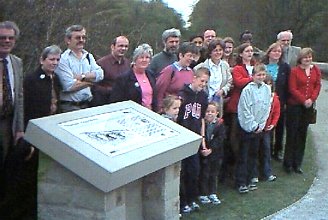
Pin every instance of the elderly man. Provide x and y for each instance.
(11, 102)
(290, 53)
(114, 65)
(77, 71)
(11, 95)
(171, 40)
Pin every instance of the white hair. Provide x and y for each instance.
(285, 33)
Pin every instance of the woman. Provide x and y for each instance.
(279, 72)
(228, 51)
(304, 87)
(138, 84)
(241, 75)
(220, 80)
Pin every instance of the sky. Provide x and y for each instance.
(184, 7)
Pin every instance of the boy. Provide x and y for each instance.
(211, 157)
(191, 115)
(253, 111)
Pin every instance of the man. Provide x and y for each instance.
(171, 40)
(290, 53)
(247, 37)
(113, 64)
(208, 36)
(11, 94)
(77, 71)
(173, 77)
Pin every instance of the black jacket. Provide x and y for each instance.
(126, 87)
(192, 109)
(37, 94)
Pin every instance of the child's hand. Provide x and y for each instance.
(205, 152)
(269, 128)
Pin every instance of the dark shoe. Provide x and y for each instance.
(278, 157)
(298, 170)
(288, 169)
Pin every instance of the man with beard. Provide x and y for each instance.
(171, 40)
(77, 71)
(113, 64)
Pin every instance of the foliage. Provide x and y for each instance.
(43, 22)
(265, 19)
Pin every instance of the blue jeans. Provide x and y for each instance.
(266, 153)
(247, 157)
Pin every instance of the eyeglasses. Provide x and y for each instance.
(3, 37)
(80, 37)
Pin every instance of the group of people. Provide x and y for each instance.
(238, 99)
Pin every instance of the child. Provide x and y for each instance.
(253, 112)
(266, 135)
(191, 116)
(171, 105)
(211, 157)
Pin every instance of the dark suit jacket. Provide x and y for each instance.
(37, 94)
(18, 120)
(126, 88)
(282, 82)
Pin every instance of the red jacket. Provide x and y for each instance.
(302, 87)
(274, 111)
(240, 78)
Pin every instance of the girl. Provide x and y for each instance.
(171, 105)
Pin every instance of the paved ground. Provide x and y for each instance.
(314, 205)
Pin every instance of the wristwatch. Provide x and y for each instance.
(83, 76)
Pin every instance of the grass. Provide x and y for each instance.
(269, 198)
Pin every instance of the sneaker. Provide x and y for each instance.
(255, 180)
(272, 178)
(204, 200)
(186, 209)
(252, 186)
(243, 189)
(214, 199)
(194, 206)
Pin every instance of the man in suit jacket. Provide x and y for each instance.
(290, 53)
(11, 122)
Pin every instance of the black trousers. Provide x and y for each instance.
(296, 127)
(189, 180)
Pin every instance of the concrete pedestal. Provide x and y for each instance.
(64, 195)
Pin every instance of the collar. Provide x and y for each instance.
(211, 63)
(84, 52)
(179, 68)
(114, 60)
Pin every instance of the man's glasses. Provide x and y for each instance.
(80, 37)
(11, 38)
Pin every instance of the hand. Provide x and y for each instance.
(205, 152)
(29, 156)
(18, 135)
(308, 103)
(220, 92)
(269, 128)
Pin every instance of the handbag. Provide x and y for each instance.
(312, 114)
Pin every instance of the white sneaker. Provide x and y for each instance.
(214, 199)
(272, 178)
(186, 209)
(204, 200)
(194, 206)
(255, 180)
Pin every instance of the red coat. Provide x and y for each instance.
(302, 87)
(240, 78)
(274, 111)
